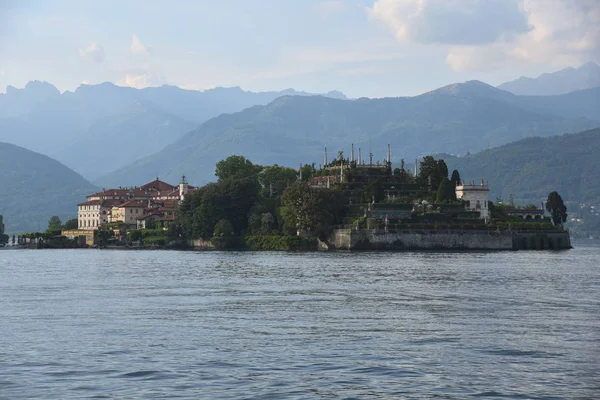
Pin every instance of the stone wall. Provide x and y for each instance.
(346, 239)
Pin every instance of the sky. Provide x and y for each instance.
(364, 48)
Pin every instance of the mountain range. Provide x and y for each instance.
(99, 128)
(36, 187)
(564, 81)
(459, 118)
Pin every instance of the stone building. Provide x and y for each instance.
(128, 204)
(475, 197)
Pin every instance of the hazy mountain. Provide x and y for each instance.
(456, 119)
(98, 128)
(36, 187)
(108, 143)
(567, 80)
(20, 101)
(531, 168)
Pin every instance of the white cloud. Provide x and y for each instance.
(484, 35)
(564, 33)
(138, 48)
(142, 80)
(450, 21)
(93, 52)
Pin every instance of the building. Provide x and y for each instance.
(475, 197)
(126, 205)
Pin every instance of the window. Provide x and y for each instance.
(468, 203)
(478, 205)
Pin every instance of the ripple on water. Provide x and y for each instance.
(107, 324)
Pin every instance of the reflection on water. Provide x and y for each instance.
(120, 324)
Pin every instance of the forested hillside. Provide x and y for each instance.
(35, 187)
(531, 168)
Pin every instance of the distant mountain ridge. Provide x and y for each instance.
(99, 128)
(561, 82)
(290, 130)
(36, 187)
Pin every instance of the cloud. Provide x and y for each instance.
(93, 52)
(450, 21)
(142, 80)
(564, 33)
(138, 48)
(484, 35)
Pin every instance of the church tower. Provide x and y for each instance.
(183, 188)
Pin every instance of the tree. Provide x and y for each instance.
(54, 224)
(274, 179)
(454, 182)
(433, 169)
(3, 237)
(443, 192)
(307, 210)
(223, 228)
(236, 167)
(71, 224)
(556, 207)
(230, 199)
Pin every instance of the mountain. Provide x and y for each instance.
(531, 168)
(36, 187)
(458, 118)
(567, 80)
(99, 128)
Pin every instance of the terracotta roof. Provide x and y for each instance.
(133, 204)
(121, 192)
(158, 185)
(90, 203)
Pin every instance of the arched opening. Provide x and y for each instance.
(528, 218)
(538, 217)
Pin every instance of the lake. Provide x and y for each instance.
(230, 325)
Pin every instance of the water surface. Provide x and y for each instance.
(129, 324)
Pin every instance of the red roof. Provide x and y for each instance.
(158, 185)
(133, 204)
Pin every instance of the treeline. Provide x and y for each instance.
(254, 200)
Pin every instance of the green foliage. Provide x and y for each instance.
(284, 243)
(230, 199)
(444, 192)
(71, 224)
(236, 167)
(54, 224)
(223, 228)
(306, 209)
(433, 171)
(155, 240)
(102, 236)
(308, 171)
(556, 207)
(274, 179)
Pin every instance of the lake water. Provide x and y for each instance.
(218, 325)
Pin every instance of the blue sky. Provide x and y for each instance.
(370, 48)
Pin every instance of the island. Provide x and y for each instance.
(346, 203)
